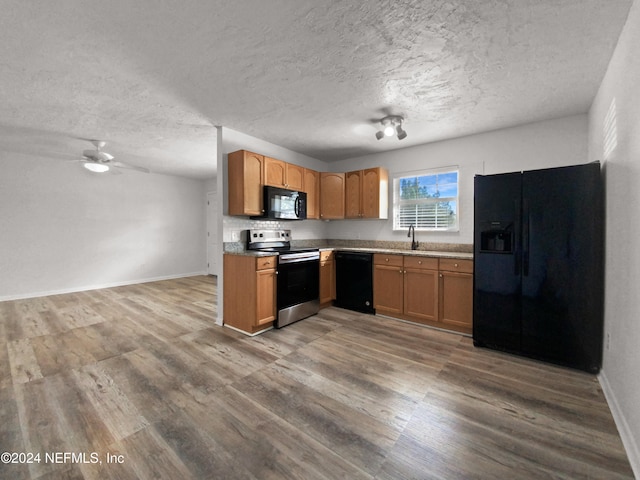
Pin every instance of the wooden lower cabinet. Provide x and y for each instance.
(249, 292)
(388, 284)
(327, 279)
(456, 293)
(421, 288)
(436, 292)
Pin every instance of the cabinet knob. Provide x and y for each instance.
(440, 275)
(455, 264)
(419, 262)
(386, 259)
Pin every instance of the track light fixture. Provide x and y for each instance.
(391, 124)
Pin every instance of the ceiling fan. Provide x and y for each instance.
(100, 162)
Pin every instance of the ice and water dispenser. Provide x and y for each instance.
(497, 237)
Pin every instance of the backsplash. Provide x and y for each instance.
(395, 245)
(424, 246)
(235, 228)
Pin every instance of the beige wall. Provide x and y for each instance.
(614, 136)
(550, 143)
(65, 229)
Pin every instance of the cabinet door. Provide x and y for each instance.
(294, 179)
(275, 172)
(374, 192)
(456, 299)
(312, 187)
(331, 195)
(421, 293)
(266, 296)
(353, 194)
(327, 281)
(245, 183)
(388, 288)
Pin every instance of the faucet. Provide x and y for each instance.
(412, 234)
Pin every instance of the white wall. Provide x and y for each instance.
(620, 87)
(65, 229)
(544, 144)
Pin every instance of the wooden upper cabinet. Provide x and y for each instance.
(332, 187)
(357, 194)
(295, 177)
(353, 194)
(375, 193)
(245, 183)
(312, 188)
(367, 193)
(283, 175)
(275, 172)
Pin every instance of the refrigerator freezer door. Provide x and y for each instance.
(562, 248)
(497, 262)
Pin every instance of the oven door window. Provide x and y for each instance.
(297, 283)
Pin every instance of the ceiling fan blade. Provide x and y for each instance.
(129, 167)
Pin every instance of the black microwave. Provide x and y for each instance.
(283, 204)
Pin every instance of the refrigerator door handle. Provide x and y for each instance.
(525, 237)
(516, 240)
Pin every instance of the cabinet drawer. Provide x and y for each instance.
(326, 255)
(383, 259)
(456, 265)
(263, 263)
(421, 262)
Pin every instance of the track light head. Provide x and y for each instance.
(391, 124)
(401, 133)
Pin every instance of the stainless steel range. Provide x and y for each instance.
(298, 274)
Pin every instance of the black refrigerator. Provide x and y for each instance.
(538, 264)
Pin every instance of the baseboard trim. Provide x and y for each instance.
(629, 442)
(99, 286)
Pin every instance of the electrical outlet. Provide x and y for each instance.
(608, 341)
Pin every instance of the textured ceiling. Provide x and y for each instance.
(153, 77)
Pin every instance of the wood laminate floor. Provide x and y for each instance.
(140, 376)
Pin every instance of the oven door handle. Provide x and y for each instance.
(298, 260)
(293, 259)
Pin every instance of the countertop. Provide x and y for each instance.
(415, 253)
(388, 251)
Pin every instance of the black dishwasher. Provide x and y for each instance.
(354, 281)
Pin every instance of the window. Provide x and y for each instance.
(428, 200)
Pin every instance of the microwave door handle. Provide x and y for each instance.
(296, 207)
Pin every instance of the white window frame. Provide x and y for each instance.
(397, 202)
